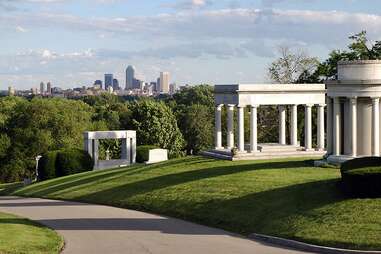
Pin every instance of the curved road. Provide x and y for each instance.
(96, 229)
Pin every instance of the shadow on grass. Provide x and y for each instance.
(128, 190)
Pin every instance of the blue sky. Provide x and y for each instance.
(74, 42)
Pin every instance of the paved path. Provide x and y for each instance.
(102, 229)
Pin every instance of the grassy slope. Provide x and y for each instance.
(281, 198)
(18, 235)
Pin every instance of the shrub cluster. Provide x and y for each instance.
(142, 153)
(362, 177)
(64, 162)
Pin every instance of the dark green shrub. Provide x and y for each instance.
(47, 166)
(362, 177)
(361, 163)
(142, 153)
(73, 161)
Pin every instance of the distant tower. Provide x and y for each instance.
(49, 88)
(172, 88)
(157, 88)
(11, 91)
(115, 84)
(130, 77)
(108, 80)
(164, 82)
(42, 88)
(98, 84)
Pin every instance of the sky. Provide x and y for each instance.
(72, 43)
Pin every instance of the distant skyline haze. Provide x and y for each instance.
(74, 43)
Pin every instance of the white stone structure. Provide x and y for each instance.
(128, 153)
(353, 111)
(157, 155)
(285, 96)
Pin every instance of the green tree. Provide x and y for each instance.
(198, 128)
(155, 124)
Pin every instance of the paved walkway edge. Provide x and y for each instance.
(305, 246)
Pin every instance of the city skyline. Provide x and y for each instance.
(196, 40)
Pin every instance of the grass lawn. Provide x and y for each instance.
(18, 235)
(286, 198)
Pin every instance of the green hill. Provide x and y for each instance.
(286, 198)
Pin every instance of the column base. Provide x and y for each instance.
(320, 149)
(220, 148)
(309, 150)
(254, 151)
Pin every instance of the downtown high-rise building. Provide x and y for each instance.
(49, 88)
(164, 82)
(130, 77)
(109, 78)
(42, 88)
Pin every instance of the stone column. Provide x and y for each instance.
(353, 115)
(218, 129)
(320, 128)
(294, 125)
(124, 149)
(308, 127)
(96, 153)
(230, 130)
(282, 125)
(253, 129)
(241, 128)
(376, 126)
(329, 126)
(336, 126)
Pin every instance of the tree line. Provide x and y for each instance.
(183, 123)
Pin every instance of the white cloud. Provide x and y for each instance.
(21, 29)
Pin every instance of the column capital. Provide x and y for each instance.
(241, 106)
(375, 99)
(353, 100)
(254, 105)
(309, 105)
(219, 106)
(322, 105)
(230, 106)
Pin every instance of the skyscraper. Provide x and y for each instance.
(42, 88)
(115, 84)
(130, 77)
(98, 84)
(164, 82)
(108, 80)
(49, 88)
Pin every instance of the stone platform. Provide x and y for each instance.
(265, 151)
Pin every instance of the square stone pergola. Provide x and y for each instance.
(128, 153)
(240, 96)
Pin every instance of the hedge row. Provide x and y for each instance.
(142, 153)
(362, 177)
(64, 162)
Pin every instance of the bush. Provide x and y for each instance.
(73, 161)
(362, 177)
(142, 153)
(47, 166)
(361, 163)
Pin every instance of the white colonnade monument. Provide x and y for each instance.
(353, 111)
(253, 96)
(353, 115)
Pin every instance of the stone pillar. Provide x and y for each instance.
(336, 126)
(294, 125)
(96, 153)
(124, 149)
(230, 130)
(241, 128)
(88, 146)
(320, 128)
(282, 125)
(253, 129)
(376, 126)
(329, 126)
(353, 115)
(308, 127)
(218, 129)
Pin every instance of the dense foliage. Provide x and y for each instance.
(142, 153)
(362, 177)
(64, 162)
